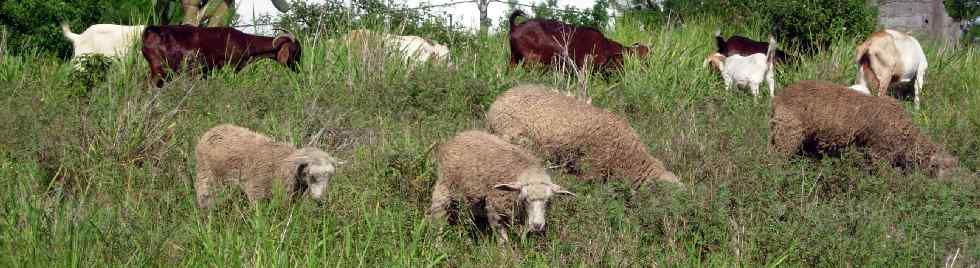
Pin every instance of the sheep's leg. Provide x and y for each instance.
(785, 132)
(494, 221)
(440, 202)
(202, 185)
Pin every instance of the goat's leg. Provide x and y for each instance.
(771, 82)
(920, 80)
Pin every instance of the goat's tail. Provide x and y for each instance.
(513, 16)
(861, 51)
(720, 41)
(66, 30)
(771, 51)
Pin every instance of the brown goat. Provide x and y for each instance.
(743, 46)
(543, 41)
(211, 48)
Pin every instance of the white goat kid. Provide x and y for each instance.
(750, 71)
(110, 40)
(891, 55)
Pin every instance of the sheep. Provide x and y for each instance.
(891, 55)
(821, 118)
(749, 71)
(571, 131)
(252, 161)
(110, 40)
(484, 172)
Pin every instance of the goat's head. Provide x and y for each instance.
(288, 50)
(638, 50)
(716, 61)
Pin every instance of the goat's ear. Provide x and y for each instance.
(283, 55)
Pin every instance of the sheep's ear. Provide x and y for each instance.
(510, 187)
(560, 191)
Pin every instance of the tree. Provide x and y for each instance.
(34, 24)
(215, 13)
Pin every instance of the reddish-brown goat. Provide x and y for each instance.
(743, 46)
(543, 41)
(211, 48)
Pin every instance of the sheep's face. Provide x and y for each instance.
(943, 164)
(534, 197)
(314, 169)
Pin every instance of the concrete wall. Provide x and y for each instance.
(921, 17)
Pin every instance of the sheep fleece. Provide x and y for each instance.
(227, 153)
(471, 163)
(562, 126)
(824, 118)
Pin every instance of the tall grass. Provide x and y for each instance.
(103, 176)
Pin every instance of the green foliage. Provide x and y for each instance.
(596, 17)
(808, 24)
(332, 18)
(91, 71)
(963, 9)
(35, 24)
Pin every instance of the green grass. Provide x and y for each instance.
(103, 176)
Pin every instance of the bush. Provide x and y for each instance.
(808, 24)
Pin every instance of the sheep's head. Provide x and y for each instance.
(313, 167)
(534, 195)
(942, 164)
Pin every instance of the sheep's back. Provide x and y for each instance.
(834, 116)
(473, 161)
(231, 148)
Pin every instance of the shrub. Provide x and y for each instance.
(808, 24)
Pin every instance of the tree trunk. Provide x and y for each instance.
(191, 8)
(484, 19)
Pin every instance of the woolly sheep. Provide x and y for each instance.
(816, 117)
(477, 168)
(252, 161)
(569, 130)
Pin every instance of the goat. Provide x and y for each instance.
(542, 41)
(413, 49)
(110, 40)
(887, 56)
(748, 71)
(744, 46)
(212, 48)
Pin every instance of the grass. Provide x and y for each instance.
(104, 175)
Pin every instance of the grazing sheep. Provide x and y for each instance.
(483, 172)
(816, 117)
(889, 56)
(239, 156)
(571, 131)
(750, 71)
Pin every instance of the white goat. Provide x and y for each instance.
(747, 71)
(110, 40)
(420, 49)
(887, 56)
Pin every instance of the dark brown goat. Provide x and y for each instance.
(211, 48)
(543, 41)
(743, 46)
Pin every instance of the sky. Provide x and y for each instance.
(467, 14)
